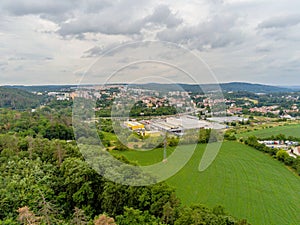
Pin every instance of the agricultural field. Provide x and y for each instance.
(250, 100)
(287, 130)
(246, 182)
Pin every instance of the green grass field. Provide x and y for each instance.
(246, 182)
(288, 130)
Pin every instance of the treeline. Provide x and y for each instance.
(45, 122)
(48, 182)
(279, 154)
(141, 109)
(281, 137)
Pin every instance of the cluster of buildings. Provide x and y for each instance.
(180, 102)
(154, 102)
(153, 99)
(183, 101)
(266, 109)
(291, 98)
(178, 93)
(284, 114)
(292, 147)
(234, 110)
(279, 144)
(295, 151)
(150, 98)
(208, 102)
(61, 96)
(294, 109)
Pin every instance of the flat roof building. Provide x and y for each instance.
(177, 125)
(227, 119)
(134, 125)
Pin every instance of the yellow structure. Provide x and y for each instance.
(153, 133)
(134, 125)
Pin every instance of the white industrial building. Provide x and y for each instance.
(177, 125)
(227, 119)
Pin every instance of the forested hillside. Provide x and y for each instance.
(17, 99)
(225, 87)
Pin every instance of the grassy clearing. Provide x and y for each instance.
(110, 136)
(287, 130)
(250, 100)
(145, 157)
(248, 183)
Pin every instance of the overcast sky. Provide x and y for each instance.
(57, 41)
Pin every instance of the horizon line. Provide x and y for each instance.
(88, 84)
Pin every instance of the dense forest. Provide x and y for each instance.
(53, 121)
(48, 182)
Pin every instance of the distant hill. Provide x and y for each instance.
(41, 88)
(226, 87)
(248, 87)
(17, 99)
(295, 88)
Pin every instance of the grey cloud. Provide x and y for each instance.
(18, 58)
(218, 32)
(97, 51)
(26, 57)
(99, 23)
(19, 68)
(3, 65)
(163, 15)
(263, 49)
(36, 6)
(112, 23)
(76, 17)
(50, 8)
(93, 52)
(287, 35)
(53, 10)
(94, 6)
(280, 22)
